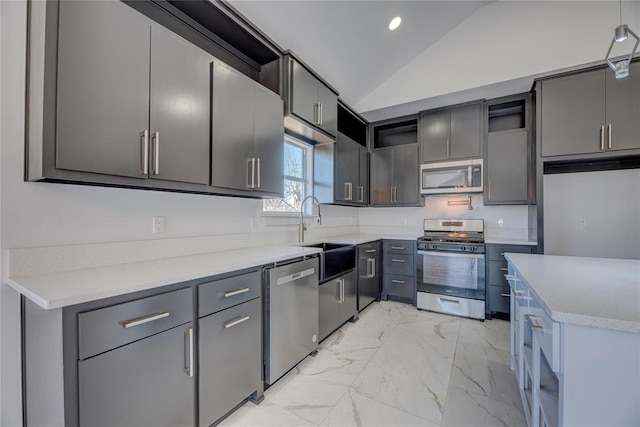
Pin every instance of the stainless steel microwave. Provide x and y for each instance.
(463, 176)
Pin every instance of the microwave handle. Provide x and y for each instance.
(470, 176)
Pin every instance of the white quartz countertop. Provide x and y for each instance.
(595, 292)
(358, 239)
(509, 241)
(61, 289)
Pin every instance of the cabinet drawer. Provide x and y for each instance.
(107, 328)
(406, 247)
(399, 264)
(369, 250)
(495, 252)
(401, 286)
(495, 273)
(230, 359)
(225, 293)
(499, 298)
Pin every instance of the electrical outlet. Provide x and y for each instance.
(158, 224)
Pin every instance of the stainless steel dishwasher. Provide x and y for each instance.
(291, 315)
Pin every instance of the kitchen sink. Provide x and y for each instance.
(335, 258)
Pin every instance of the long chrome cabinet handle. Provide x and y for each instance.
(235, 292)
(602, 138)
(347, 190)
(400, 282)
(609, 136)
(236, 321)
(337, 296)
(257, 160)
(320, 114)
(156, 153)
(371, 265)
(533, 323)
(505, 295)
(251, 171)
(145, 319)
(398, 248)
(144, 152)
(360, 193)
(448, 148)
(504, 269)
(397, 260)
(190, 360)
(371, 251)
(511, 277)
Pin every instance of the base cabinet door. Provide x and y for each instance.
(230, 345)
(329, 308)
(145, 383)
(349, 297)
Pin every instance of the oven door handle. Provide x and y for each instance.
(451, 254)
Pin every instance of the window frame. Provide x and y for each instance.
(307, 181)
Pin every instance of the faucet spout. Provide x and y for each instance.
(302, 227)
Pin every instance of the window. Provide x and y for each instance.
(298, 178)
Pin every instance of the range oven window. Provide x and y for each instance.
(454, 270)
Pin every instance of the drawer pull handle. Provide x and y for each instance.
(145, 319)
(449, 300)
(235, 322)
(504, 269)
(398, 248)
(511, 277)
(400, 282)
(371, 251)
(397, 260)
(505, 295)
(236, 292)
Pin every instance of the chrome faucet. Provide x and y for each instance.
(302, 227)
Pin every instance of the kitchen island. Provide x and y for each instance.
(575, 339)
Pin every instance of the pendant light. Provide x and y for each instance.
(621, 33)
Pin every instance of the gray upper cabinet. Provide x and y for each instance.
(180, 109)
(508, 157)
(247, 134)
(310, 99)
(394, 176)
(351, 174)
(589, 112)
(454, 133)
(130, 96)
(103, 88)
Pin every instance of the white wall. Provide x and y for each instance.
(593, 214)
(507, 40)
(42, 214)
(499, 221)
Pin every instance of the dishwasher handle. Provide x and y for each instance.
(295, 276)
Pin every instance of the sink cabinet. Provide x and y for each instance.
(338, 299)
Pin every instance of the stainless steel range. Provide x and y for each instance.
(450, 267)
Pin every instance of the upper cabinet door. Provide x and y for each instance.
(406, 174)
(381, 176)
(572, 114)
(268, 128)
(435, 136)
(103, 88)
(180, 109)
(623, 109)
(328, 109)
(362, 195)
(304, 97)
(343, 166)
(232, 128)
(466, 132)
(506, 167)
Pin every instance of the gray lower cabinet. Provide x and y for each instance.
(150, 380)
(230, 350)
(589, 112)
(394, 176)
(117, 109)
(398, 270)
(338, 299)
(454, 133)
(369, 277)
(247, 135)
(498, 293)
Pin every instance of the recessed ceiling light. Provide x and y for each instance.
(395, 23)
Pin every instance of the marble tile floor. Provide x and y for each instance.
(398, 366)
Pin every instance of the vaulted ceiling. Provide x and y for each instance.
(442, 47)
